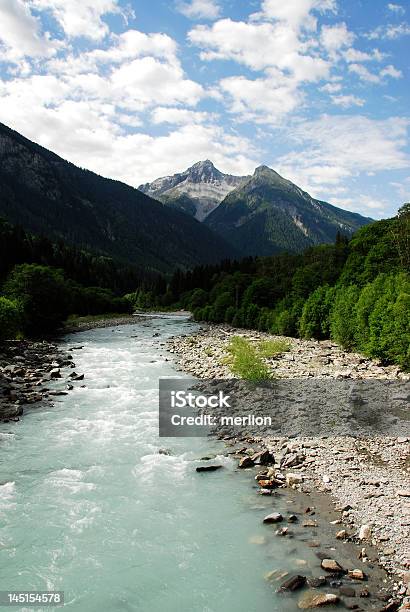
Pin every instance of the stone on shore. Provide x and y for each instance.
(246, 462)
(293, 479)
(313, 599)
(365, 532)
(264, 457)
(356, 574)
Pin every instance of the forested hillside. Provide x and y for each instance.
(50, 196)
(269, 215)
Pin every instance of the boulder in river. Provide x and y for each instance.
(293, 583)
(275, 517)
(208, 468)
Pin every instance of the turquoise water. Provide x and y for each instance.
(89, 507)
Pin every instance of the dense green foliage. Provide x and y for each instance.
(48, 280)
(44, 298)
(42, 293)
(356, 292)
(10, 318)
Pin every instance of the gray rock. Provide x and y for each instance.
(275, 517)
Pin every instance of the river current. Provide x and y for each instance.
(90, 507)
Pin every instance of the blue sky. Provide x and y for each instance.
(316, 89)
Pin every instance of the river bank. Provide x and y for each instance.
(33, 373)
(366, 478)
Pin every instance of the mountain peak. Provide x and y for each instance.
(266, 171)
(204, 171)
(197, 191)
(206, 163)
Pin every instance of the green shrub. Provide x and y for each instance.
(270, 348)
(229, 314)
(389, 321)
(343, 316)
(365, 306)
(245, 361)
(239, 318)
(222, 302)
(315, 319)
(10, 319)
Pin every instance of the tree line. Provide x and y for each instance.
(43, 281)
(356, 292)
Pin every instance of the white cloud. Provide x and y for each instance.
(347, 101)
(331, 87)
(242, 42)
(80, 17)
(334, 149)
(264, 100)
(391, 71)
(390, 31)
(366, 75)
(199, 9)
(335, 37)
(396, 8)
(147, 80)
(89, 136)
(20, 34)
(132, 43)
(179, 116)
(297, 13)
(354, 55)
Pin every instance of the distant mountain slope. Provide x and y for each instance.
(269, 214)
(197, 191)
(48, 195)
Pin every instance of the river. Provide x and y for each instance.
(88, 506)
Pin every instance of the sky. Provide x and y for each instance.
(134, 90)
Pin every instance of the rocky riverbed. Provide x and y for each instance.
(32, 374)
(367, 478)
